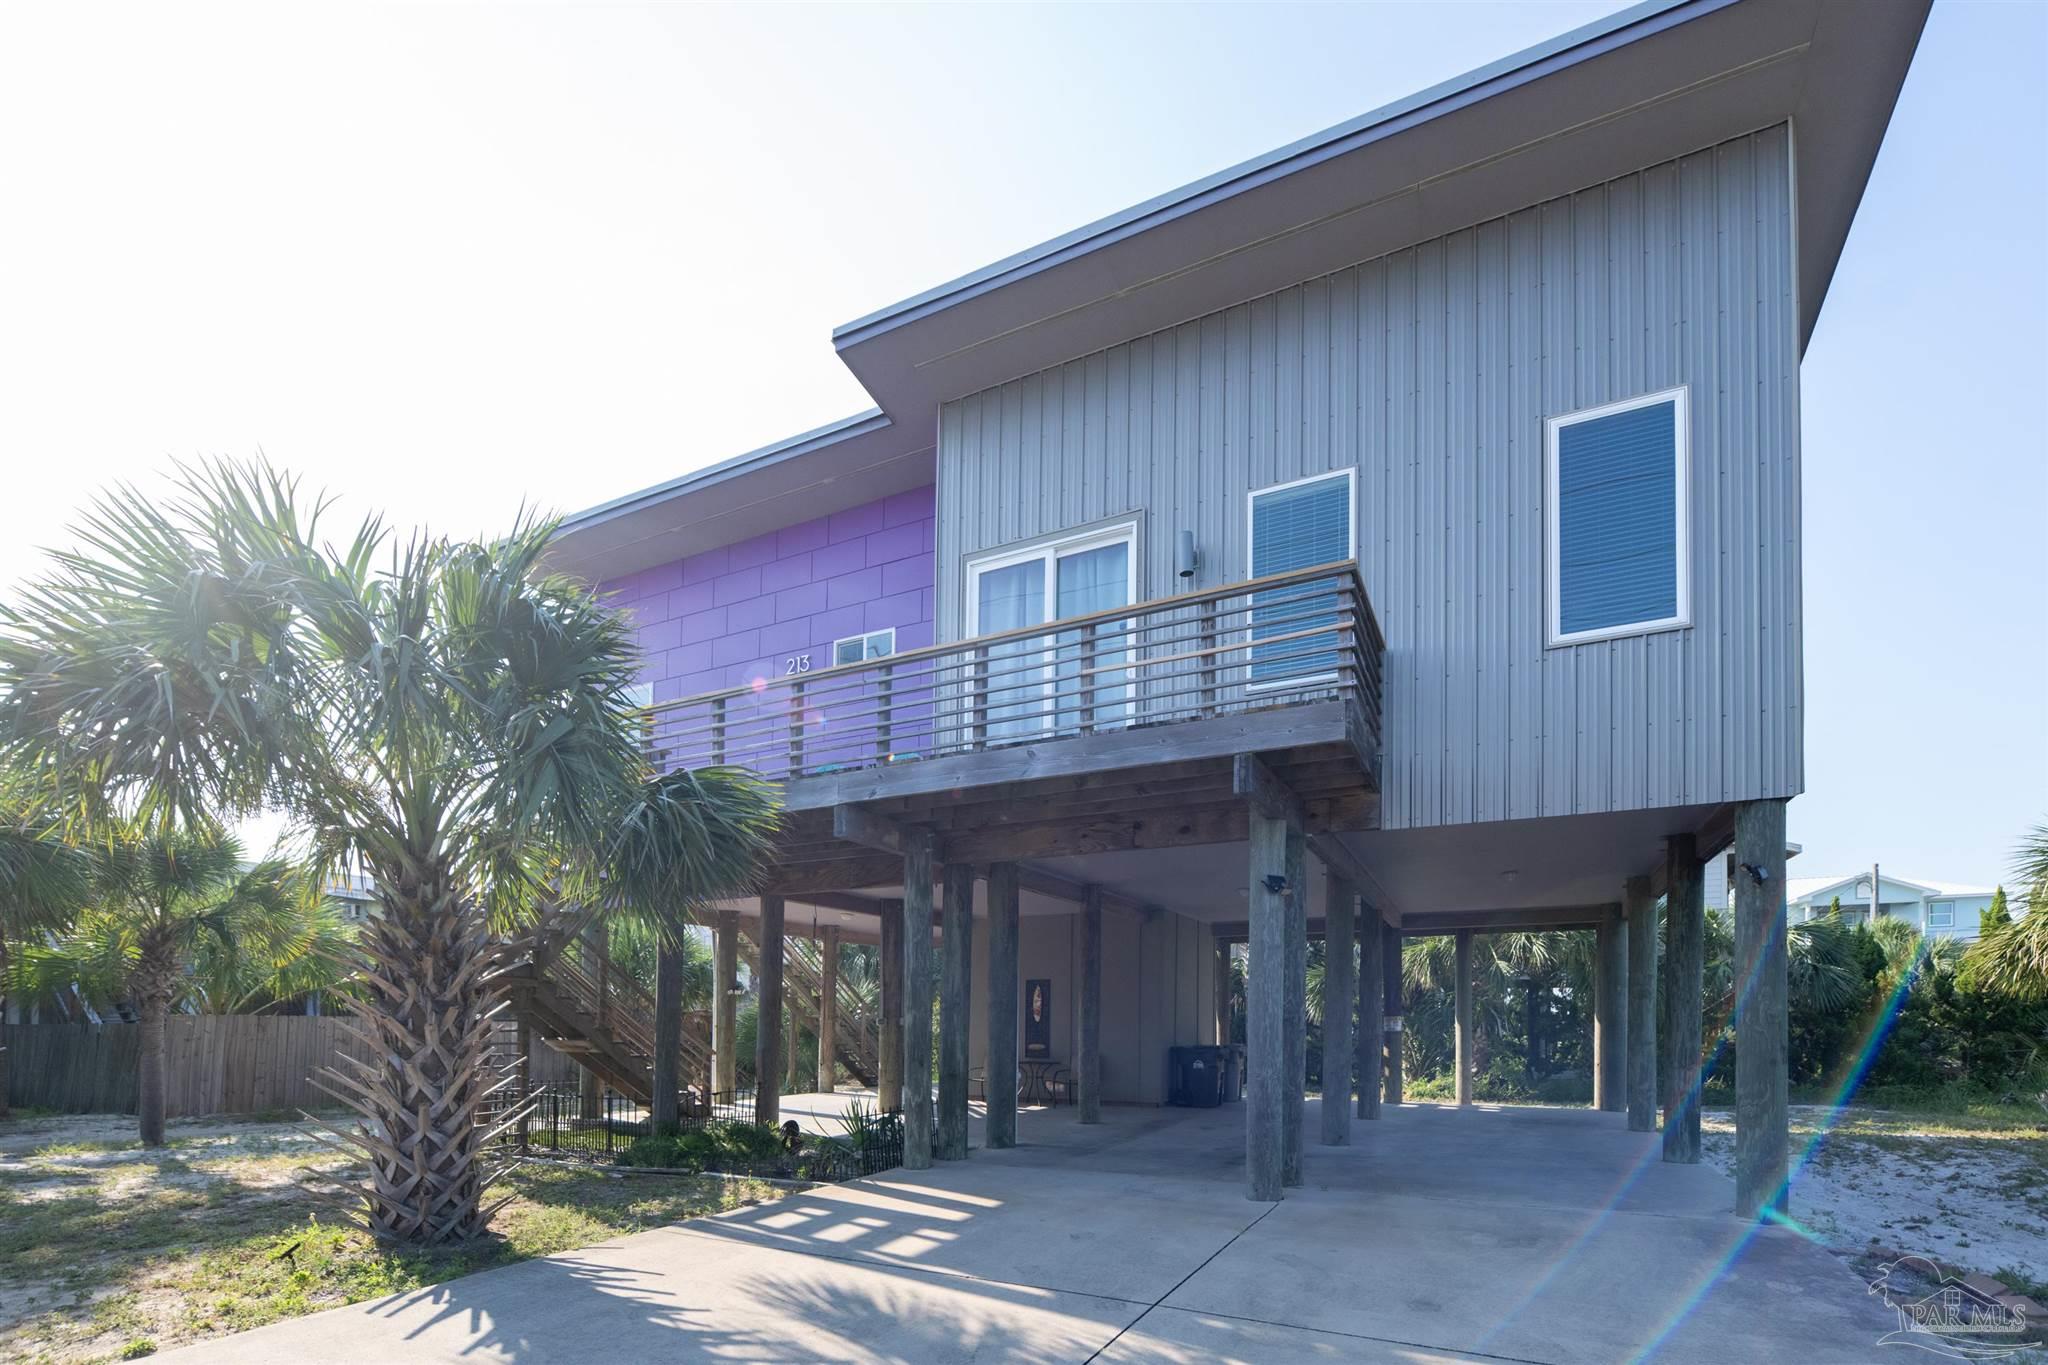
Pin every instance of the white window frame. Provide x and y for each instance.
(863, 636)
(1251, 502)
(1943, 907)
(1681, 432)
(1050, 549)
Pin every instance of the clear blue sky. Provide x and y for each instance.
(445, 259)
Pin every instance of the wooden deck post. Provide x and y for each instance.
(889, 1061)
(1372, 1025)
(1090, 1068)
(1339, 909)
(1222, 952)
(1462, 998)
(956, 999)
(590, 1091)
(1001, 1125)
(917, 1001)
(725, 971)
(1685, 934)
(1610, 1015)
(828, 1010)
(1390, 980)
(1641, 908)
(1296, 1023)
(768, 1023)
(1762, 1141)
(1265, 1123)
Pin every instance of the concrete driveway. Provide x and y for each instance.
(1439, 1235)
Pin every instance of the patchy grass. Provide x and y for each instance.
(110, 1252)
(1967, 1187)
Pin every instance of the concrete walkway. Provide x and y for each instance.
(1439, 1235)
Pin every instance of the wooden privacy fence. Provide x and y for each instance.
(214, 1064)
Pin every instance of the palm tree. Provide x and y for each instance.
(2013, 957)
(312, 951)
(686, 839)
(43, 879)
(448, 717)
(158, 902)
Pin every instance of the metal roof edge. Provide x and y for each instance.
(1588, 40)
(790, 447)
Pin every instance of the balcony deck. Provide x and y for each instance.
(1108, 731)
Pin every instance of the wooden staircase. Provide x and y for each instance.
(858, 1045)
(598, 1014)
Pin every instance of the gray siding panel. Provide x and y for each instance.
(1430, 371)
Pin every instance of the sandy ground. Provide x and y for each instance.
(1873, 1185)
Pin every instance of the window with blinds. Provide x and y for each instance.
(1615, 503)
(1297, 526)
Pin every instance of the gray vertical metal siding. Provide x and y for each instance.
(1431, 371)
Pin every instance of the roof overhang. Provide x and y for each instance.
(1645, 85)
(827, 470)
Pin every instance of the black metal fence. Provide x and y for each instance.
(726, 1137)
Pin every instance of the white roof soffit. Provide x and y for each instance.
(828, 470)
(1643, 86)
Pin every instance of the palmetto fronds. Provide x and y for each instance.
(2013, 957)
(448, 717)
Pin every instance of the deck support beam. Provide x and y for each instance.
(916, 1023)
(1265, 1136)
(828, 1010)
(1089, 1072)
(1762, 1142)
(1296, 900)
(1610, 1016)
(1222, 950)
(725, 992)
(1000, 1128)
(590, 1093)
(889, 1058)
(768, 1024)
(1339, 931)
(1371, 1039)
(1462, 994)
(1640, 909)
(1390, 982)
(1685, 934)
(956, 999)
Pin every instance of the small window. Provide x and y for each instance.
(854, 649)
(1941, 914)
(1616, 519)
(1297, 525)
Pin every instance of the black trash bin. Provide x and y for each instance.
(1201, 1077)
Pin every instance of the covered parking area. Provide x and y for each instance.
(1438, 1234)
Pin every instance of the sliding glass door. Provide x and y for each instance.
(1059, 681)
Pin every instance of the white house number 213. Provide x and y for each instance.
(795, 664)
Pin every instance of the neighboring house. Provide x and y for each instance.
(1937, 909)
(353, 893)
(1405, 523)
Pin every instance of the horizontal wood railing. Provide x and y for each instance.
(1280, 640)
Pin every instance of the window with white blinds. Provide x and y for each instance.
(1297, 526)
(1616, 519)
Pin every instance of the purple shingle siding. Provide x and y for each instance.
(738, 613)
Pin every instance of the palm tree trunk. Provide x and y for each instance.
(1532, 1031)
(5, 1112)
(668, 1038)
(155, 970)
(426, 1018)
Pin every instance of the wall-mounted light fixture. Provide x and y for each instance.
(1185, 560)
